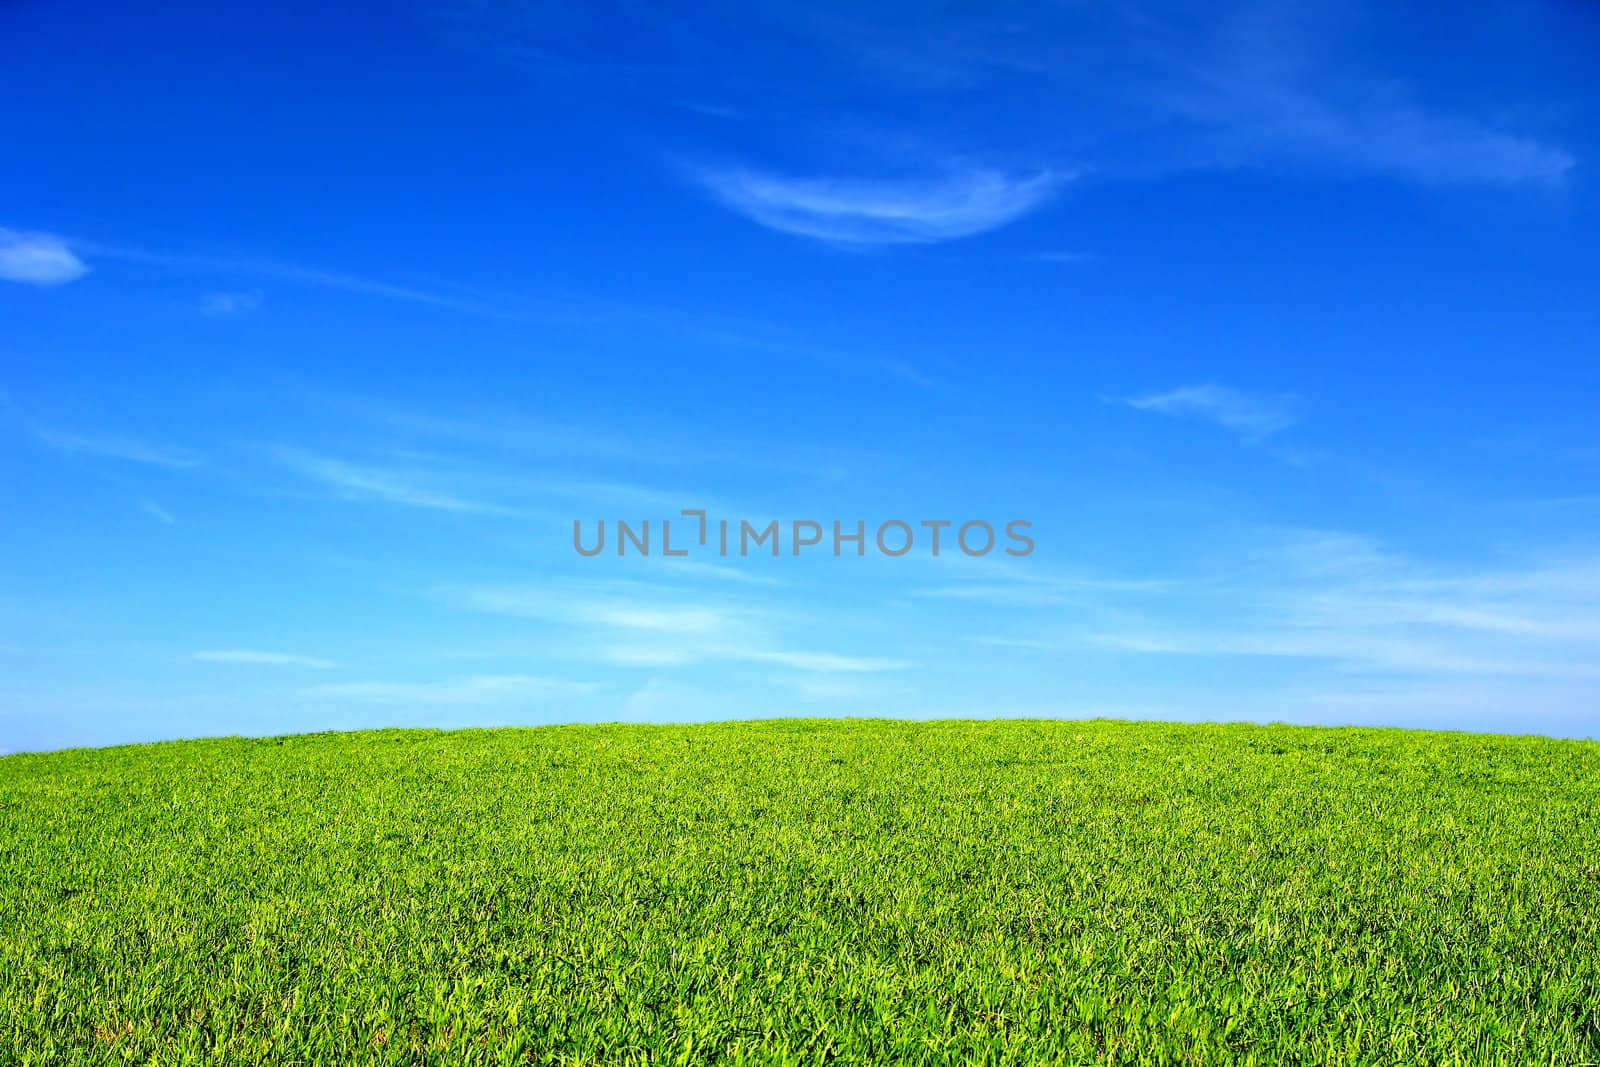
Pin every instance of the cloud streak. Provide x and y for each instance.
(636, 624)
(357, 481)
(252, 657)
(1411, 144)
(827, 662)
(38, 259)
(110, 446)
(1253, 416)
(222, 304)
(1275, 83)
(476, 690)
(1343, 603)
(46, 259)
(854, 211)
(1117, 89)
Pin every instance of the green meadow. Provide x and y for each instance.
(805, 891)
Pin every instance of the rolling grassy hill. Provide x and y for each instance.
(806, 892)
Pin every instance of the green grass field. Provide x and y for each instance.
(805, 892)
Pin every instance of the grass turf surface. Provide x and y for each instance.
(808, 892)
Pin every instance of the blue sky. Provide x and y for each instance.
(319, 327)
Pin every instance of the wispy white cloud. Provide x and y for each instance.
(826, 662)
(467, 481)
(1015, 584)
(230, 303)
(615, 606)
(233, 267)
(639, 624)
(856, 211)
(1256, 85)
(355, 284)
(908, 372)
(1010, 594)
(361, 481)
(518, 433)
(157, 512)
(1277, 83)
(836, 690)
(1370, 648)
(111, 446)
(1253, 416)
(1409, 143)
(627, 651)
(693, 569)
(1063, 257)
(529, 442)
(1117, 89)
(1345, 603)
(651, 654)
(38, 259)
(479, 689)
(658, 619)
(253, 657)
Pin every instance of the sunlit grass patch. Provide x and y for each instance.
(808, 892)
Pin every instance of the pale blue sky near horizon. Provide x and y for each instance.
(1278, 321)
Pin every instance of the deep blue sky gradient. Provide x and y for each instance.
(319, 326)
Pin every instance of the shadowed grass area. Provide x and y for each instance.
(806, 892)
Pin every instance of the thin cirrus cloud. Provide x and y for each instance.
(624, 606)
(383, 484)
(825, 662)
(1253, 416)
(678, 653)
(479, 689)
(1150, 88)
(1344, 603)
(229, 303)
(637, 624)
(863, 212)
(1408, 143)
(38, 259)
(254, 657)
(46, 259)
(349, 283)
(427, 485)
(1284, 83)
(111, 446)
